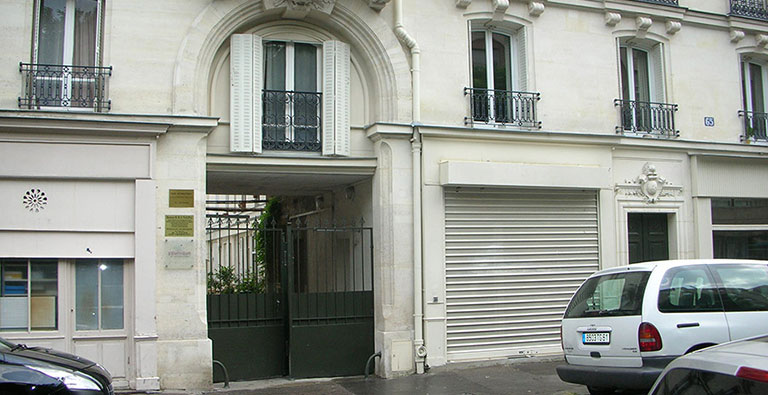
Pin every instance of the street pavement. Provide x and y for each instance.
(514, 376)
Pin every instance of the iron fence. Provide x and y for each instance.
(654, 119)
(49, 85)
(750, 8)
(494, 106)
(291, 120)
(755, 126)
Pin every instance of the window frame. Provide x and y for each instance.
(28, 329)
(99, 296)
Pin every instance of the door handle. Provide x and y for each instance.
(688, 325)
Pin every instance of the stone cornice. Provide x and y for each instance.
(77, 123)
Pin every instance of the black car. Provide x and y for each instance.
(37, 370)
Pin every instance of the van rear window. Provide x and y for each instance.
(616, 294)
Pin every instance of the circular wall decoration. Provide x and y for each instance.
(35, 200)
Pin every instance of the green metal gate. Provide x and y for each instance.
(291, 301)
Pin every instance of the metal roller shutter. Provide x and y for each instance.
(513, 258)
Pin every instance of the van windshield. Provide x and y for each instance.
(616, 294)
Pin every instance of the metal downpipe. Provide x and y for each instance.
(420, 351)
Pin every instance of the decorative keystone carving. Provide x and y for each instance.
(761, 40)
(535, 8)
(298, 9)
(651, 184)
(612, 18)
(463, 3)
(737, 35)
(673, 27)
(643, 23)
(377, 4)
(500, 6)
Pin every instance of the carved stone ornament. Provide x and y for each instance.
(463, 3)
(673, 27)
(651, 184)
(34, 200)
(737, 35)
(612, 18)
(377, 4)
(761, 40)
(298, 9)
(643, 23)
(535, 8)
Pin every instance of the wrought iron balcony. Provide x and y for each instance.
(750, 8)
(755, 126)
(49, 85)
(647, 118)
(291, 120)
(500, 107)
(662, 2)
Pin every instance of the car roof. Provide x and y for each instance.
(649, 266)
(727, 357)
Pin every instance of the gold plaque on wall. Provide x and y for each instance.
(179, 226)
(181, 198)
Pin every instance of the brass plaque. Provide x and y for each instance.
(179, 226)
(181, 198)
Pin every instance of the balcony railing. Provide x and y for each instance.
(750, 9)
(500, 107)
(49, 85)
(755, 126)
(663, 2)
(291, 120)
(647, 118)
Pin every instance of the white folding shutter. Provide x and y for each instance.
(342, 99)
(513, 259)
(336, 94)
(657, 74)
(522, 60)
(329, 98)
(245, 93)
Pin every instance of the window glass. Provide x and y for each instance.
(86, 294)
(274, 65)
(696, 382)
(746, 286)
(28, 294)
(85, 33)
(624, 74)
(618, 294)
(305, 66)
(688, 289)
(14, 303)
(756, 87)
(640, 70)
(502, 55)
(740, 244)
(111, 294)
(43, 294)
(51, 35)
(479, 68)
(740, 211)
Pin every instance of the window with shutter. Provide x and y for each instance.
(500, 77)
(296, 95)
(643, 106)
(65, 69)
(754, 75)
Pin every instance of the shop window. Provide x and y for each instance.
(99, 303)
(28, 294)
(740, 228)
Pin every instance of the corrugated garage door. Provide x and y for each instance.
(513, 258)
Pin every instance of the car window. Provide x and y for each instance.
(746, 286)
(617, 294)
(688, 289)
(697, 382)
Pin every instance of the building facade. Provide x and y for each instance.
(498, 151)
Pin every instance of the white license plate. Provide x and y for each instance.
(596, 337)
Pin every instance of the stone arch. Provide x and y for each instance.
(382, 57)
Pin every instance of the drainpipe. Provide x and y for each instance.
(420, 351)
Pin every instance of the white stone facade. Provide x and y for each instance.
(412, 142)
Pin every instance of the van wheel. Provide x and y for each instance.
(600, 391)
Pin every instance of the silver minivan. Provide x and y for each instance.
(625, 324)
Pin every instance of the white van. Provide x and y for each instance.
(624, 325)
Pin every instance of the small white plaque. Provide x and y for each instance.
(179, 253)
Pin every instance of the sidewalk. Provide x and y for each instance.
(515, 376)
